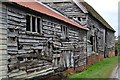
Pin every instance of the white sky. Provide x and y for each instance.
(108, 9)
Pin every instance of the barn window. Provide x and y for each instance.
(64, 30)
(79, 18)
(33, 24)
(92, 42)
(27, 23)
(38, 25)
(83, 19)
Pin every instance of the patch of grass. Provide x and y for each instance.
(101, 69)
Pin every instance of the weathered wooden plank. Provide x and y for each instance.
(3, 47)
(16, 11)
(12, 35)
(28, 41)
(17, 19)
(3, 73)
(3, 52)
(3, 57)
(75, 13)
(3, 67)
(16, 23)
(3, 31)
(12, 44)
(56, 55)
(17, 74)
(41, 73)
(15, 15)
(48, 32)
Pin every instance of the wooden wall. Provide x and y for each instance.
(97, 34)
(3, 42)
(27, 52)
(56, 47)
(110, 42)
(79, 14)
(71, 10)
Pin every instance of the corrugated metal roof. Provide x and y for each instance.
(39, 7)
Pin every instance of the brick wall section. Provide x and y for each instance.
(111, 53)
(94, 58)
(74, 70)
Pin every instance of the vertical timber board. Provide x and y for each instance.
(3, 43)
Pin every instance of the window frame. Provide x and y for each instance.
(36, 24)
(64, 30)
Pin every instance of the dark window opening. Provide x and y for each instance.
(83, 19)
(64, 31)
(58, 59)
(79, 18)
(93, 26)
(14, 38)
(38, 25)
(34, 57)
(20, 58)
(33, 24)
(20, 46)
(91, 40)
(61, 28)
(9, 60)
(11, 30)
(28, 58)
(27, 23)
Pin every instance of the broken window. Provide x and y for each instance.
(33, 24)
(64, 30)
(83, 19)
(79, 18)
(20, 58)
(92, 42)
(27, 23)
(38, 25)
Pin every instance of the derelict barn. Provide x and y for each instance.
(37, 40)
(100, 36)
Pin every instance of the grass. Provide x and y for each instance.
(101, 69)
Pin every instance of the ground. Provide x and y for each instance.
(116, 72)
(102, 69)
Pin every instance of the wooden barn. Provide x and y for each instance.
(39, 38)
(100, 37)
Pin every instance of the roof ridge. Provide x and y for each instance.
(97, 15)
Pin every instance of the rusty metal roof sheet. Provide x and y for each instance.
(39, 7)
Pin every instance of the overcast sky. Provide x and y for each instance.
(108, 9)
